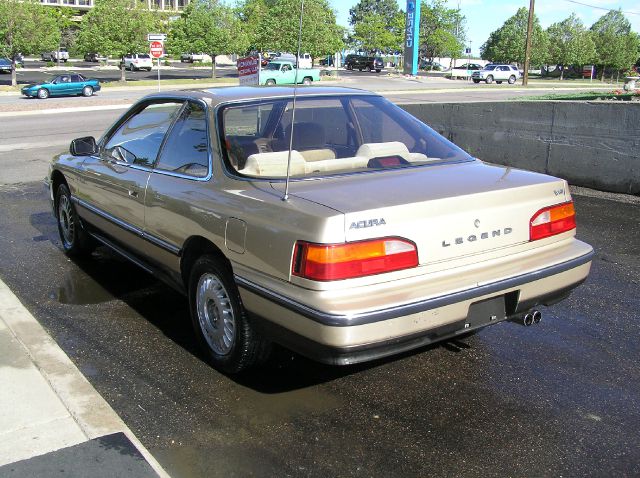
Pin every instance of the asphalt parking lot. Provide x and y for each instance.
(557, 399)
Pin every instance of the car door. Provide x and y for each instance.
(76, 85)
(113, 185)
(178, 193)
(60, 85)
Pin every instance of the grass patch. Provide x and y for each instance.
(584, 96)
(10, 89)
(183, 81)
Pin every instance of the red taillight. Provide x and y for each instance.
(325, 262)
(552, 220)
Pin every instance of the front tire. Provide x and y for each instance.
(43, 93)
(224, 331)
(75, 241)
(489, 80)
(476, 81)
(87, 91)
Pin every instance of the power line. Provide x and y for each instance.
(602, 8)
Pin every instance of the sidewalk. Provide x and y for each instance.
(52, 420)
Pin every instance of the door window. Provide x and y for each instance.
(138, 140)
(186, 150)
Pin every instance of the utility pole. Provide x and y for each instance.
(527, 52)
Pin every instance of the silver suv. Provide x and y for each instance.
(497, 73)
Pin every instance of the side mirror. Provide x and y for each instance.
(83, 146)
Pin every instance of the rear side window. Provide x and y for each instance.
(186, 150)
(138, 140)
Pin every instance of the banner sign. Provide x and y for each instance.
(412, 38)
(248, 70)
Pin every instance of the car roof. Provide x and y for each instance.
(238, 93)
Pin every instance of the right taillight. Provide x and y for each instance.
(552, 220)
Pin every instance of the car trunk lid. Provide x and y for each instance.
(448, 210)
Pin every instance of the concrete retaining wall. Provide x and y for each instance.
(596, 145)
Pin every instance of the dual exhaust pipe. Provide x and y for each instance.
(528, 319)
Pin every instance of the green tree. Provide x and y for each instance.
(441, 30)
(254, 15)
(615, 43)
(385, 9)
(507, 43)
(208, 26)
(26, 27)
(320, 32)
(117, 27)
(570, 43)
(373, 33)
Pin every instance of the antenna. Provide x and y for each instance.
(293, 112)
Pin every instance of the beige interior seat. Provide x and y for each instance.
(274, 164)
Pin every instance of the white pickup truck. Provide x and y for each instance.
(56, 55)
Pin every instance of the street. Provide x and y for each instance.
(557, 399)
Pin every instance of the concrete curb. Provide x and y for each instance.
(92, 414)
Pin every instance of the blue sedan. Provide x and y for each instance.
(63, 85)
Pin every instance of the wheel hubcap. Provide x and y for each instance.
(215, 314)
(65, 219)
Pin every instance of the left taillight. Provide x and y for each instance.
(552, 220)
(327, 262)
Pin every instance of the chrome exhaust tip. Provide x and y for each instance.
(537, 316)
(528, 319)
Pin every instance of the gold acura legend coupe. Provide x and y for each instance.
(331, 222)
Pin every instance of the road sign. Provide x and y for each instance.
(156, 48)
(156, 37)
(248, 70)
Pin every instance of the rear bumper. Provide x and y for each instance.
(348, 338)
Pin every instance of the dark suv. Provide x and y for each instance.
(363, 62)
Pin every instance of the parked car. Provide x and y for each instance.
(62, 54)
(63, 85)
(94, 57)
(6, 66)
(137, 61)
(18, 58)
(497, 73)
(195, 57)
(431, 65)
(363, 62)
(465, 70)
(326, 61)
(373, 235)
(280, 72)
(305, 59)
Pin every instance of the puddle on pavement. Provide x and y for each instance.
(79, 289)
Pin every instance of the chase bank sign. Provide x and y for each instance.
(412, 37)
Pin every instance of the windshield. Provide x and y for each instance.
(272, 66)
(490, 67)
(331, 136)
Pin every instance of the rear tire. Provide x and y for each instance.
(307, 81)
(499, 82)
(224, 330)
(476, 81)
(270, 82)
(87, 91)
(512, 79)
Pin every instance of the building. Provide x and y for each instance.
(83, 5)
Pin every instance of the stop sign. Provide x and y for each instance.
(156, 48)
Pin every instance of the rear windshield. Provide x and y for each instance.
(331, 136)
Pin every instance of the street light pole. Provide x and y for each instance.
(527, 52)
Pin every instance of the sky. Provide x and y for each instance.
(485, 16)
